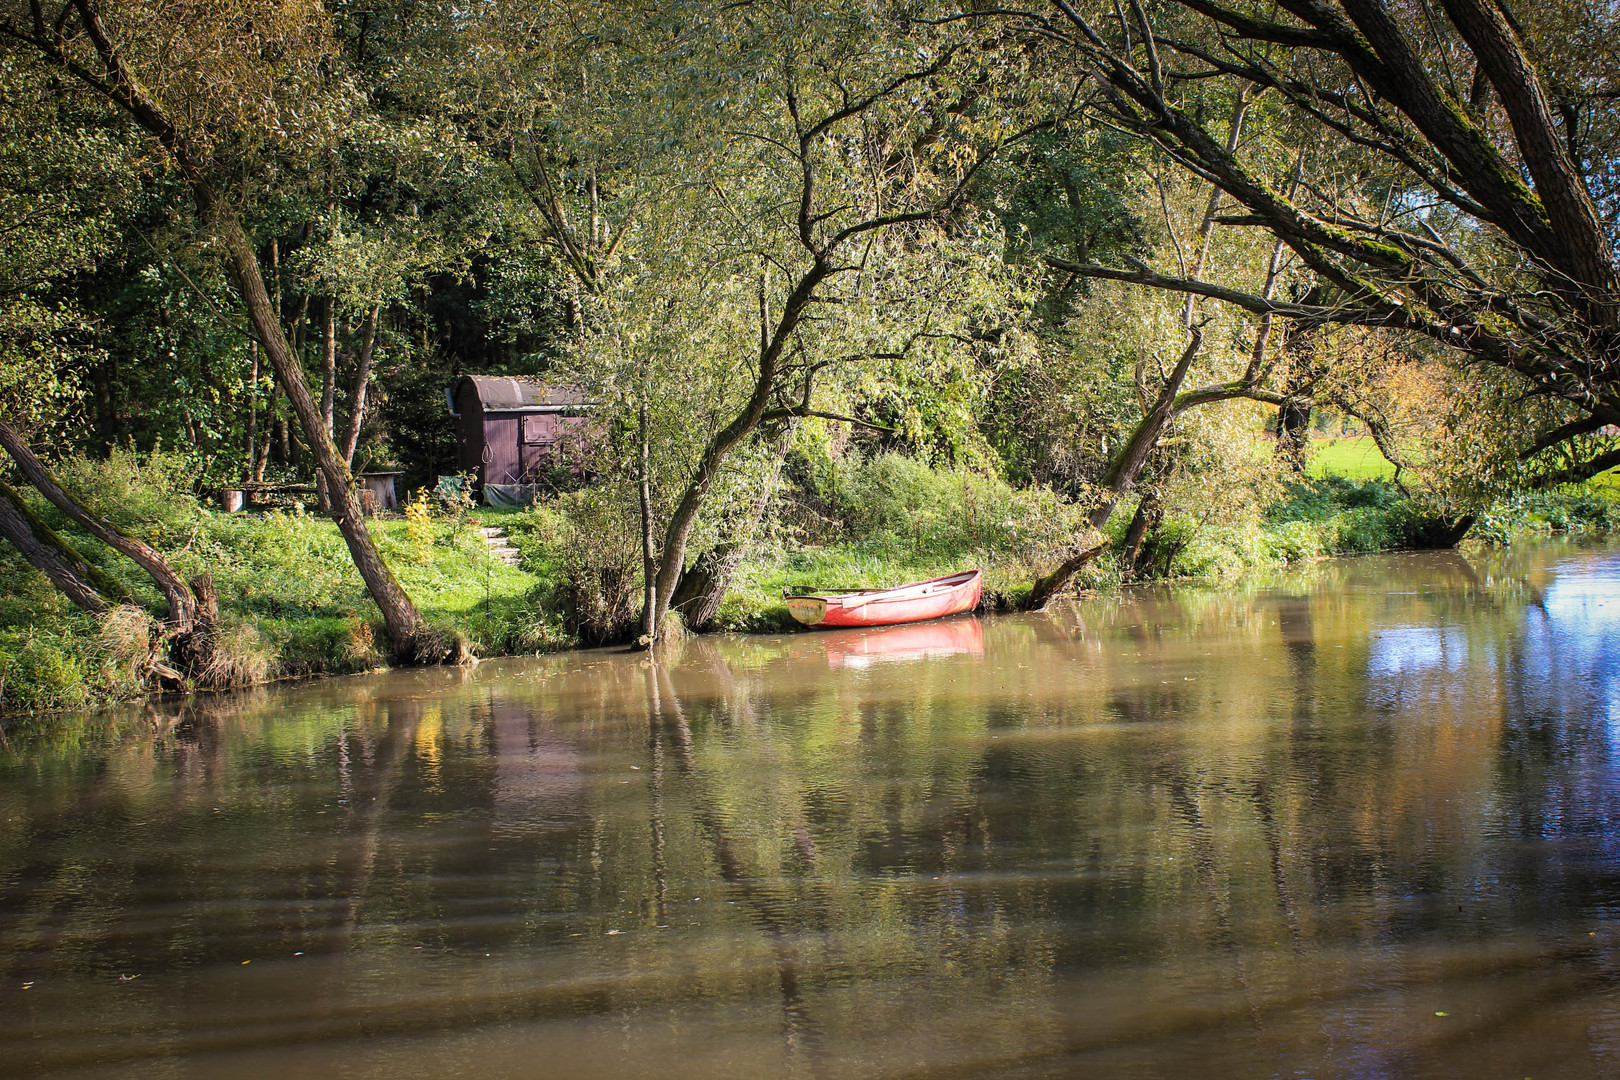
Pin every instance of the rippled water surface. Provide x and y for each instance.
(1359, 822)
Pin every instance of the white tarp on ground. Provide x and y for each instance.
(511, 494)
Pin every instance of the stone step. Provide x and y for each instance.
(499, 546)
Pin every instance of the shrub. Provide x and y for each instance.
(902, 504)
(150, 497)
(45, 672)
(419, 528)
(595, 540)
(1295, 541)
(1322, 498)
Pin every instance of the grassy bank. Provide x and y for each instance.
(291, 601)
(294, 606)
(1317, 517)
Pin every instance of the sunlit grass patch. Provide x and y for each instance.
(1355, 457)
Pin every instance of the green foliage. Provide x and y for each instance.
(291, 599)
(69, 660)
(897, 503)
(1295, 541)
(44, 672)
(589, 541)
(1317, 500)
(1575, 508)
(149, 495)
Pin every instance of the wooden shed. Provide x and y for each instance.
(511, 431)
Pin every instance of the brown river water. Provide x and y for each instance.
(1358, 821)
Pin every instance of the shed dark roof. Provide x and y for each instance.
(501, 393)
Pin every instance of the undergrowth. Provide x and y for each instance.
(292, 603)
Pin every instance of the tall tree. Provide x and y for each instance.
(813, 166)
(227, 88)
(1446, 178)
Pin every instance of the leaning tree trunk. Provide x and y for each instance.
(45, 558)
(192, 619)
(1121, 475)
(704, 585)
(109, 588)
(401, 621)
(1145, 519)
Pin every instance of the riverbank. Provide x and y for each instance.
(295, 608)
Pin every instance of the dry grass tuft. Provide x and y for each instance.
(239, 657)
(130, 635)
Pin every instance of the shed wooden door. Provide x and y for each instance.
(537, 435)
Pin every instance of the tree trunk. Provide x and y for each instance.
(704, 586)
(362, 380)
(328, 388)
(1133, 456)
(1294, 434)
(1146, 517)
(1058, 580)
(1588, 255)
(1304, 369)
(253, 413)
(649, 565)
(45, 558)
(1122, 474)
(110, 588)
(401, 620)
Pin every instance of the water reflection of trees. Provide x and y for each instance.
(1114, 827)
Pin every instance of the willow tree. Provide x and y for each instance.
(64, 180)
(1447, 172)
(783, 184)
(230, 91)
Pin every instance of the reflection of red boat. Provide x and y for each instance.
(920, 600)
(875, 645)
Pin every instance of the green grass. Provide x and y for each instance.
(1355, 457)
(289, 596)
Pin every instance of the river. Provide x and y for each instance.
(1360, 820)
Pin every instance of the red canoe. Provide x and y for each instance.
(920, 600)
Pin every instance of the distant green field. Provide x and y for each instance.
(1355, 457)
(1610, 479)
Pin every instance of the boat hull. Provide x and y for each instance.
(917, 602)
